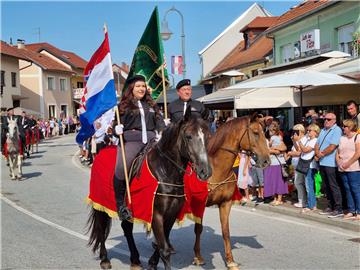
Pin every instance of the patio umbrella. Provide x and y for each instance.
(300, 79)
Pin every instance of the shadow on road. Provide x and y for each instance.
(35, 156)
(28, 176)
(211, 243)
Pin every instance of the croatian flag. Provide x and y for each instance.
(100, 93)
(176, 64)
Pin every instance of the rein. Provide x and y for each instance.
(172, 161)
(182, 170)
(235, 152)
(226, 181)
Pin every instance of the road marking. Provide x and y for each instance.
(66, 230)
(295, 222)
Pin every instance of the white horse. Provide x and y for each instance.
(13, 148)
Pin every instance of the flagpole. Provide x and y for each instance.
(164, 90)
(122, 145)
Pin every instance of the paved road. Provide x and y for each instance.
(43, 222)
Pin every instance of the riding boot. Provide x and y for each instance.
(120, 189)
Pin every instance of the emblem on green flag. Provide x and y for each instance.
(149, 57)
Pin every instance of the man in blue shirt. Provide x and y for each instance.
(325, 151)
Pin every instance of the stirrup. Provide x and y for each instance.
(124, 213)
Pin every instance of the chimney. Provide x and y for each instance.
(20, 43)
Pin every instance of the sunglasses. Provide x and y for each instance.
(329, 119)
(345, 126)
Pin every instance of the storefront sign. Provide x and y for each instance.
(310, 40)
(78, 93)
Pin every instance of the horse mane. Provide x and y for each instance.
(217, 140)
(168, 136)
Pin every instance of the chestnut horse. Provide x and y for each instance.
(240, 134)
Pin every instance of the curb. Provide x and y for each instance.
(351, 225)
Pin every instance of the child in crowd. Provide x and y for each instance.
(244, 178)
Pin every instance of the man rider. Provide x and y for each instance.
(177, 108)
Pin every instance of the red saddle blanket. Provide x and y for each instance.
(196, 192)
(142, 190)
(6, 152)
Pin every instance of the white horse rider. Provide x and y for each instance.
(13, 149)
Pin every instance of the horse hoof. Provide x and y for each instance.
(198, 261)
(233, 266)
(105, 264)
(135, 267)
(19, 177)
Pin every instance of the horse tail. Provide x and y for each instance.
(99, 225)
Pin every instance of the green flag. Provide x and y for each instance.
(149, 57)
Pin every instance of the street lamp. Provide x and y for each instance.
(166, 34)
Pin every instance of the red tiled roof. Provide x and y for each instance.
(238, 56)
(260, 22)
(299, 10)
(43, 61)
(68, 57)
(9, 50)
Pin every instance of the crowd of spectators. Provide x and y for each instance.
(316, 159)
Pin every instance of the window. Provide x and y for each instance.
(345, 38)
(2, 78)
(62, 84)
(13, 79)
(254, 73)
(80, 84)
(63, 109)
(51, 111)
(51, 83)
(287, 53)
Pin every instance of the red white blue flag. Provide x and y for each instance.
(176, 64)
(100, 92)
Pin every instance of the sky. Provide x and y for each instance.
(77, 26)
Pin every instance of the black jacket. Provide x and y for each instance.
(176, 109)
(132, 119)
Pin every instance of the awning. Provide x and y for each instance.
(283, 97)
(350, 68)
(230, 73)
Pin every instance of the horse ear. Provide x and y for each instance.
(187, 115)
(257, 117)
(254, 117)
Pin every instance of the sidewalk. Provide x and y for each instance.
(289, 210)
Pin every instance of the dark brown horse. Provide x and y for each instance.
(241, 134)
(180, 144)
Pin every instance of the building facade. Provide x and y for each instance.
(10, 77)
(328, 26)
